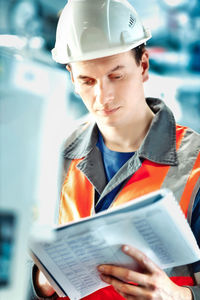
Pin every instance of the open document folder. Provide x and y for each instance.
(153, 223)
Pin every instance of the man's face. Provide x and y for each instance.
(112, 87)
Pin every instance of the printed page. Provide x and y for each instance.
(73, 261)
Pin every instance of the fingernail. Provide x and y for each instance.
(101, 268)
(126, 248)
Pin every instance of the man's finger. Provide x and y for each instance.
(125, 289)
(144, 262)
(124, 274)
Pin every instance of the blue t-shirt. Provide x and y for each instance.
(113, 161)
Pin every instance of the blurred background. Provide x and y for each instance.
(38, 108)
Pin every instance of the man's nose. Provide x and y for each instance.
(103, 92)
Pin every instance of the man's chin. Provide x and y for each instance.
(108, 122)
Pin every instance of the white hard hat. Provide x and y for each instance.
(89, 29)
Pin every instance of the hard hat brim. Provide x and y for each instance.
(64, 59)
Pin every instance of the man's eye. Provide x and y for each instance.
(88, 82)
(115, 77)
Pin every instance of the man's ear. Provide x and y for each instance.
(69, 69)
(145, 65)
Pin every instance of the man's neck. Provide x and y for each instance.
(127, 138)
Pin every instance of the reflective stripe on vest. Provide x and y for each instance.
(77, 196)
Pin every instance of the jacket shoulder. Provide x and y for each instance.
(75, 132)
(191, 139)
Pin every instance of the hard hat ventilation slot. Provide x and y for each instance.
(132, 21)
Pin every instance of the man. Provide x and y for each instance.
(133, 147)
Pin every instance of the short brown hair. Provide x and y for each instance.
(137, 52)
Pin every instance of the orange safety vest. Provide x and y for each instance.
(77, 197)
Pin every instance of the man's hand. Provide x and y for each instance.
(152, 283)
(43, 287)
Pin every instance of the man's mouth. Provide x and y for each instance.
(108, 111)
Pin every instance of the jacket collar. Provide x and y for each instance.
(158, 146)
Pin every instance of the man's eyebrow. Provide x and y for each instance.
(83, 77)
(119, 67)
